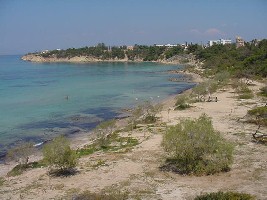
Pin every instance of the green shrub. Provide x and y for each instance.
(263, 91)
(111, 143)
(225, 196)
(21, 153)
(182, 107)
(181, 99)
(260, 114)
(115, 195)
(259, 111)
(222, 78)
(200, 91)
(246, 96)
(2, 181)
(17, 170)
(242, 90)
(87, 150)
(58, 155)
(194, 147)
(182, 102)
(149, 119)
(20, 168)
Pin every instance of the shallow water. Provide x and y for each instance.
(40, 100)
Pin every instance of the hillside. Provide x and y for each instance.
(102, 53)
(247, 61)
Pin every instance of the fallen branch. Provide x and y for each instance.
(262, 138)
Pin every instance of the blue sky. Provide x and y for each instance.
(33, 25)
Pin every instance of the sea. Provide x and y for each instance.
(39, 101)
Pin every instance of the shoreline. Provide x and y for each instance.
(89, 59)
(81, 138)
(137, 169)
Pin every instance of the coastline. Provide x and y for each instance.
(90, 59)
(140, 165)
(82, 138)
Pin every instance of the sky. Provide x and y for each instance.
(35, 25)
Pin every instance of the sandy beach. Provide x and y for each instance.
(136, 170)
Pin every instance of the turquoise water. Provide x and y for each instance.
(39, 101)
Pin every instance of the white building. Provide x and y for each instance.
(220, 41)
(166, 45)
(239, 42)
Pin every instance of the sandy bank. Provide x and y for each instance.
(177, 60)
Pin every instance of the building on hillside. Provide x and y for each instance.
(171, 45)
(130, 47)
(166, 45)
(220, 41)
(239, 42)
(45, 51)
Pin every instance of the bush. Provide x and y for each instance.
(243, 91)
(17, 170)
(200, 91)
(149, 119)
(225, 196)
(182, 107)
(58, 155)
(260, 114)
(194, 147)
(2, 181)
(20, 168)
(112, 142)
(263, 91)
(222, 78)
(181, 102)
(21, 153)
(114, 195)
(259, 111)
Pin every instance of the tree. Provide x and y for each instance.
(222, 78)
(104, 131)
(21, 153)
(135, 115)
(106, 127)
(194, 147)
(182, 102)
(200, 90)
(58, 155)
(150, 111)
(260, 114)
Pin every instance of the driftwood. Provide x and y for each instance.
(262, 138)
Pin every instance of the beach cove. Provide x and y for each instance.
(42, 100)
(137, 169)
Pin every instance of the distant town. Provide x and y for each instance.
(239, 41)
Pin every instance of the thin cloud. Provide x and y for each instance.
(213, 32)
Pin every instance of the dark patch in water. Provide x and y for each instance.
(106, 96)
(44, 124)
(104, 113)
(66, 126)
(43, 83)
(81, 121)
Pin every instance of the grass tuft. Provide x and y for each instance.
(225, 196)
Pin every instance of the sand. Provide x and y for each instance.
(137, 170)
